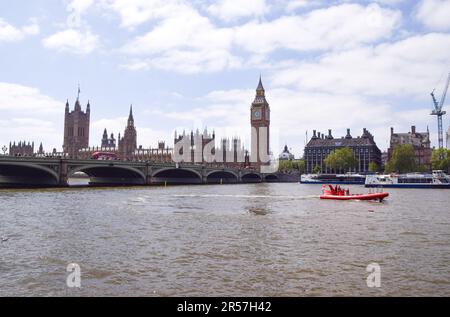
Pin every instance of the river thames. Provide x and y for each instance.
(229, 240)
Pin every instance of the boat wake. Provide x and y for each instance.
(247, 196)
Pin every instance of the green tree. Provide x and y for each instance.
(373, 167)
(291, 165)
(440, 160)
(285, 166)
(403, 159)
(341, 160)
(301, 166)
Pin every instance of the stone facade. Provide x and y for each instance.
(233, 153)
(76, 128)
(320, 146)
(192, 138)
(420, 142)
(128, 143)
(260, 122)
(286, 155)
(21, 149)
(108, 142)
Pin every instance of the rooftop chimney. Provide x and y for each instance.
(392, 130)
(348, 136)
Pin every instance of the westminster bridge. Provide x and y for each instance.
(55, 172)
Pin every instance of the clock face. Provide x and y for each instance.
(257, 114)
(267, 115)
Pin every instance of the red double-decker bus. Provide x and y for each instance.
(104, 156)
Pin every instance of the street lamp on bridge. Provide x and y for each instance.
(4, 149)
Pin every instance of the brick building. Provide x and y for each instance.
(420, 142)
(320, 146)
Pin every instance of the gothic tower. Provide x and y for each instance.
(105, 140)
(260, 122)
(76, 128)
(128, 143)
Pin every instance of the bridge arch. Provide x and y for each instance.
(177, 176)
(271, 178)
(251, 178)
(111, 174)
(27, 174)
(224, 177)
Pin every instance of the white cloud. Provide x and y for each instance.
(136, 12)
(337, 27)
(18, 98)
(230, 10)
(434, 14)
(293, 5)
(73, 41)
(77, 8)
(80, 6)
(407, 68)
(187, 42)
(76, 37)
(32, 116)
(390, 2)
(10, 33)
(188, 61)
(184, 42)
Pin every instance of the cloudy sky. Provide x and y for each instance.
(191, 64)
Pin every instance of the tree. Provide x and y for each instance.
(301, 166)
(440, 160)
(403, 159)
(285, 166)
(373, 167)
(341, 159)
(291, 165)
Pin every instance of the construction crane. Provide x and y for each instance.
(437, 111)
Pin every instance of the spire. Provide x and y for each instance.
(260, 85)
(77, 103)
(67, 105)
(88, 107)
(130, 117)
(260, 89)
(260, 93)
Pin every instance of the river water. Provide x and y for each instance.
(240, 240)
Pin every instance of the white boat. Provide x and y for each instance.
(437, 179)
(342, 179)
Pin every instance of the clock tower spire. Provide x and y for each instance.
(260, 123)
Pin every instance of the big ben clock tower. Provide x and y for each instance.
(260, 122)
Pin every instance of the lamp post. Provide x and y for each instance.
(4, 149)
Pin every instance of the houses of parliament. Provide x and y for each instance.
(77, 128)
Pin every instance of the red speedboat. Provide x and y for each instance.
(337, 193)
